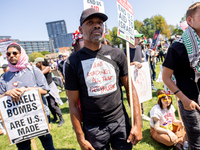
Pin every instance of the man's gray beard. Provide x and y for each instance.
(96, 39)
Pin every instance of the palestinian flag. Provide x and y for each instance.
(145, 40)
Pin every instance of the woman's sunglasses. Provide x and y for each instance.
(9, 53)
(169, 99)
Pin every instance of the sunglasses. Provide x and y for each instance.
(9, 53)
(165, 99)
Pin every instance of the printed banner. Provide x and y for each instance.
(142, 81)
(125, 21)
(155, 39)
(25, 119)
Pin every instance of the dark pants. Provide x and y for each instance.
(46, 141)
(153, 64)
(191, 120)
(53, 106)
(114, 134)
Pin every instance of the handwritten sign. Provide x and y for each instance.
(142, 82)
(25, 119)
(100, 76)
(125, 21)
(96, 4)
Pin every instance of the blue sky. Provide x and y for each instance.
(25, 19)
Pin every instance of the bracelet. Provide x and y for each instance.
(176, 92)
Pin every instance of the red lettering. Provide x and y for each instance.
(96, 80)
(102, 88)
(95, 7)
(107, 78)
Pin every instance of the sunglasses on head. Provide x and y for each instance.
(9, 53)
(169, 99)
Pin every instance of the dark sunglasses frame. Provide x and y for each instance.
(14, 53)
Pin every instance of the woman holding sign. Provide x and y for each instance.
(165, 128)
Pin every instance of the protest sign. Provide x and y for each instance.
(155, 39)
(25, 119)
(96, 4)
(142, 81)
(125, 21)
(184, 25)
(99, 6)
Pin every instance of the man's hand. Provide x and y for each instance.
(15, 93)
(85, 145)
(135, 135)
(190, 105)
(137, 64)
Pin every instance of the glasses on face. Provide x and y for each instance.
(9, 53)
(165, 99)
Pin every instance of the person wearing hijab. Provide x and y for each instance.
(23, 77)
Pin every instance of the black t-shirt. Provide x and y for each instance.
(60, 66)
(48, 77)
(97, 82)
(135, 54)
(177, 60)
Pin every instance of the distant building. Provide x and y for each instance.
(57, 32)
(35, 46)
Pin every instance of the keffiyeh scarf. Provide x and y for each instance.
(192, 44)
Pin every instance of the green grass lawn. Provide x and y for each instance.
(64, 137)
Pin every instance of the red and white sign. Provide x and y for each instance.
(184, 25)
(142, 82)
(100, 76)
(125, 21)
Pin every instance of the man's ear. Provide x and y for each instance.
(189, 20)
(80, 30)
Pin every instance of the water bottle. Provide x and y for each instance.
(185, 145)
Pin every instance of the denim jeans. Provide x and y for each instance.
(153, 65)
(191, 120)
(46, 141)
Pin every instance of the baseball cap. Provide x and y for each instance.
(89, 12)
(39, 59)
(4, 65)
(136, 34)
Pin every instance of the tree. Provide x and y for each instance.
(34, 55)
(138, 25)
(161, 25)
(149, 27)
(44, 52)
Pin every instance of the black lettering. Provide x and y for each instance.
(32, 128)
(17, 124)
(4, 104)
(12, 126)
(20, 131)
(9, 112)
(27, 130)
(37, 127)
(25, 98)
(21, 101)
(29, 120)
(15, 111)
(28, 107)
(34, 106)
(36, 118)
(22, 109)
(9, 104)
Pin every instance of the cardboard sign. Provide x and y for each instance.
(142, 81)
(125, 21)
(25, 119)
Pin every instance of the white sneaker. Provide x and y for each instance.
(144, 117)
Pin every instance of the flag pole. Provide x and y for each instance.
(129, 82)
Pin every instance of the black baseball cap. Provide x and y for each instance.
(89, 12)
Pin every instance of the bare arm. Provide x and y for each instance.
(137, 64)
(176, 121)
(73, 97)
(187, 103)
(61, 76)
(136, 131)
(46, 70)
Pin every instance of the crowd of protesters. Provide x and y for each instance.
(98, 115)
